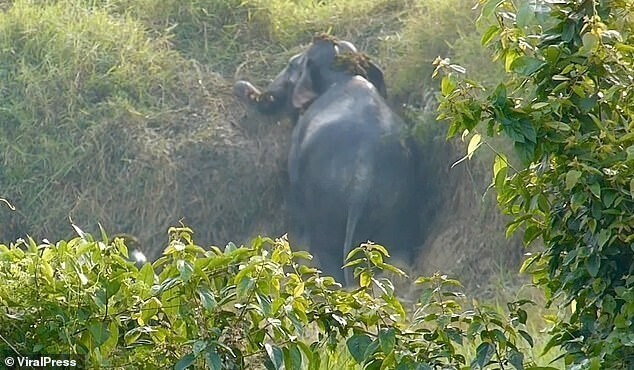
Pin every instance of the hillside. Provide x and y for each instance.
(119, 113)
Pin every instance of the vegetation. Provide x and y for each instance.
(102, 117)
(566, 106)
(119, 112)
(238, 308)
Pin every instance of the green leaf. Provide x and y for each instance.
(354, 252)
(244, 286)
(303, 255)
(275, 357)
(603, 237)
(214, 362)
(513, 128)
(499, 336)
(595, 189)
(527, 337)
(499, 96)
(624, 48)
(357, 345)
(375, 257)
(207, 298)
(131, 336)
(525, 14)
(426, 296)
(99, 333)
(593, 263)
(306, 350)
(552, 53)
(475, 327)
(112, 287)
(500, 169)
(387, 340)
(609, 197)
(110, 344)
(539, 105)
(587, 104)
(393, 269)
(526, 66)
(531, 233)
(490, 6)
(558, 126)
(146, 274)
(474, 144)
(447, 85)
(516, 359)
(292, 357)
(490, 34)
(569, 31)
(149, 309)
(509, 58)
(577, 200)
(199, 346)
(365, 279)
(522, 316)
(484, 353)
(185, 268)
(185, 362)
(371, 349)
(589, 43)
(572, 177)
(298, 290)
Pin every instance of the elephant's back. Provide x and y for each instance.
(348, 129)
(351, 106)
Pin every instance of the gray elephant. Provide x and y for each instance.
(352, 166)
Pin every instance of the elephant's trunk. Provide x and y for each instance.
(265, 102)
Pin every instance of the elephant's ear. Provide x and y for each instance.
(375, 75)
(305, 89)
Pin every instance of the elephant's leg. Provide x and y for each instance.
(330, 264)
(325, 246)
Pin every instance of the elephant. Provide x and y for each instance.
(352, 165)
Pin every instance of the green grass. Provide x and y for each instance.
(82, 91)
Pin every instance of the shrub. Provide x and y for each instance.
(564, 104)
(235, 307)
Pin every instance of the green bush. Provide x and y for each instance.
(235, 308)
(565, 105)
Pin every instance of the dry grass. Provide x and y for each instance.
(120, 112)
(104, 123)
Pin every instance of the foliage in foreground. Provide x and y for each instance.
(233, 308)
(567, 105)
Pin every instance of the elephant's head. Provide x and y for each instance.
(308, 75)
